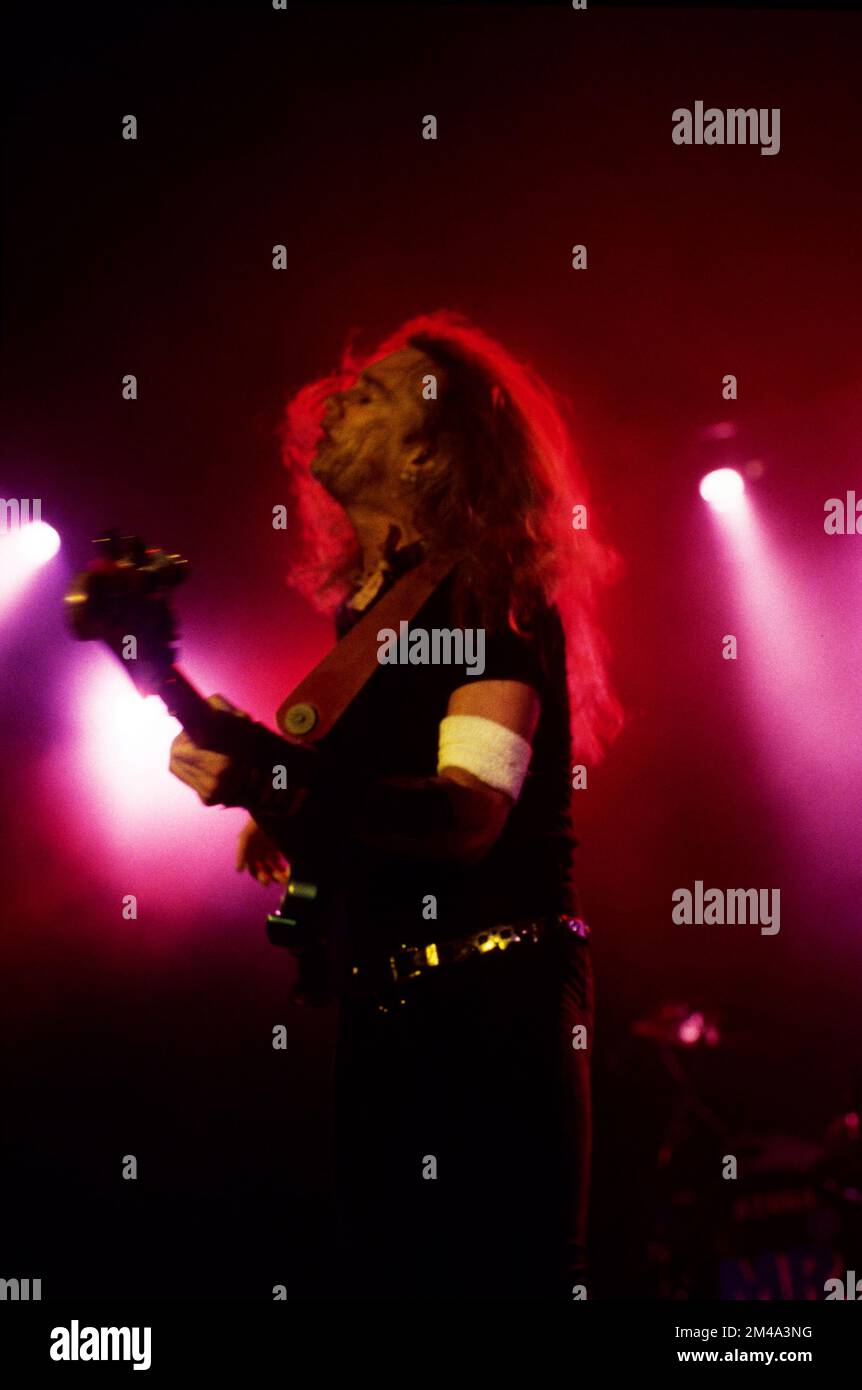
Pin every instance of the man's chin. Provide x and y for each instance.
(321, 466)
(325, 470)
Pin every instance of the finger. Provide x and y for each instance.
(219, 702)
(256, 865)
(184, 762)
(185, 773)
(202, 757)
(276, 868)
(189, 755)
(280, 868)
(181, 744)
(200, 782)
(206, 772)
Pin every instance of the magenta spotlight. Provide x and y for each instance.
(39, 542)
(723, 489)
(23, 552)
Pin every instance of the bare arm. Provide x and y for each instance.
(465, 816)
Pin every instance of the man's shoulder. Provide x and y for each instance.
(528, 650)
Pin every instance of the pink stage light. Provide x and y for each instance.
(723, 489)
(691, 1029)
(22, 552)
(39, 542)
(125, 743)
(132, 822)
(797, 677)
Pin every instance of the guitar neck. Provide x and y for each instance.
(240, 738)
(186, 704)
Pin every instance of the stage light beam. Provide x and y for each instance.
(22, 552)
(723, 489)
(39, 542)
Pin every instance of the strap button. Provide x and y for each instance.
(300, 718)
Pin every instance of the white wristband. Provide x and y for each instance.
(493, 753)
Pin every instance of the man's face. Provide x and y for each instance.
(373, 429)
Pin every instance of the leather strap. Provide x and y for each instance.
(310, 711)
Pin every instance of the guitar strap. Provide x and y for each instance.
(321, 698)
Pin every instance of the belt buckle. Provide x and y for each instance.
(495, 939)
(577, 926)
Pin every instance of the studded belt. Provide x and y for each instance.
(390, 975)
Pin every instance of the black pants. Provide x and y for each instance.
(463, 1130)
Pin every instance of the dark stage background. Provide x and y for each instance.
(153, 1036)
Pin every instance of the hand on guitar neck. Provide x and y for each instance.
(219, 780)
(218, 777)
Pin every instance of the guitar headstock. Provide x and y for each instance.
(122, 599)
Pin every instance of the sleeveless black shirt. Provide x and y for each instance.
(392, 729)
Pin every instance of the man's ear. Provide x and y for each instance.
(421, 464)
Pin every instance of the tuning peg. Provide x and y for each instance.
(165, 570)
(121, 548)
